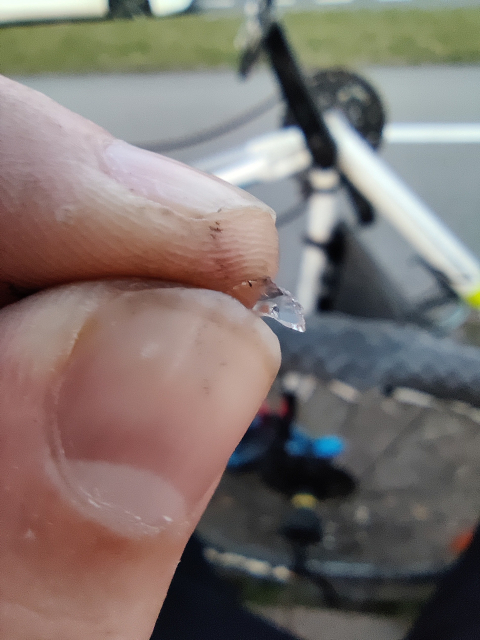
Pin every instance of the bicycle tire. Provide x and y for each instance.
(368, 355)
(382, 354)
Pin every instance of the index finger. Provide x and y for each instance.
(77, 204)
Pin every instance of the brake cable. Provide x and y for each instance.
(207, 135)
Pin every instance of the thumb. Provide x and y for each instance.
(120, 405)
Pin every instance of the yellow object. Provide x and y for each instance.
(473, 299)
(304, 501)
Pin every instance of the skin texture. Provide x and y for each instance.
(121, 398)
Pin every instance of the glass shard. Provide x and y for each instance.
(279, 304)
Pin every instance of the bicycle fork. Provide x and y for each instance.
(313, 286)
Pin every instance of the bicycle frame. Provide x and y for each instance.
(284, 154)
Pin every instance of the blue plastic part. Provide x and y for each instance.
(299, 444)
(328, 447)
(253, 446)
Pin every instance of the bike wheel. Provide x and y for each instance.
(406, 403)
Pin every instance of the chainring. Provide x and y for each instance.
(354, 96)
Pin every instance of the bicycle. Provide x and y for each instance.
(363, 363)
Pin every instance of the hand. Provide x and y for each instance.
(120, 399)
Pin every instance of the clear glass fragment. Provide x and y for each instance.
(279, 304)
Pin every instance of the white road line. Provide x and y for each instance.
(432, 133)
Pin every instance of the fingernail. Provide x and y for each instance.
(158, 390)
(173, 184)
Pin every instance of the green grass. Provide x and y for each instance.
(204, 41)
(387, 37)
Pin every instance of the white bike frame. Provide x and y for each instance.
(283, 154)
